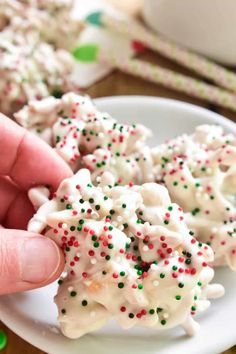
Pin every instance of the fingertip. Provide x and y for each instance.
(41, 260)
(28, 261)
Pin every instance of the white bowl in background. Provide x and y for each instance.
(32, 315)
(206, 26)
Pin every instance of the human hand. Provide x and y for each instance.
(27, 260)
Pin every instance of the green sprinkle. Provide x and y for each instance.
(151, 311)
(97, 207)
(110, 246)
(91, 200)
(124, 206)
(60, 282)
(175, 183)
(131, 315)
(72, 228)
(193, 308)
(84, 303)
(163, 322)
(178, 297)
(81, 222)
(96, 244)
(195, 211)
(170, 208)
(73, 293)
(105, 198)
(120, 285)
(140, 286)
(159, 309)
(122, 273)
(57, 93)
(127, 245)
(162, 275)
(180, 285)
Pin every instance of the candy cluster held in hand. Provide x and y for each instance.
(200, 174)
(198, 170)
(129, 255)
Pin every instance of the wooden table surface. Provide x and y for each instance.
(121, 84)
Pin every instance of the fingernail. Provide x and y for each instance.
(40, 259)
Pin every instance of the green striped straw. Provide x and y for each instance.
(158, 75)
(202, 66)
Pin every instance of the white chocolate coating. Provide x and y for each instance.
(200, 174)
(83, 136)
(129, 256)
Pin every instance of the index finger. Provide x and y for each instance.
(28, 159)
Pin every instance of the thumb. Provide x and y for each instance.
(27, 261)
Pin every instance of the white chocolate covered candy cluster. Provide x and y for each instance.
(83, 136)
(199, 171)
(129, 256)
(40, 16)
(34, 65)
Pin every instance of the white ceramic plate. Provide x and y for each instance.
(32, 315)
